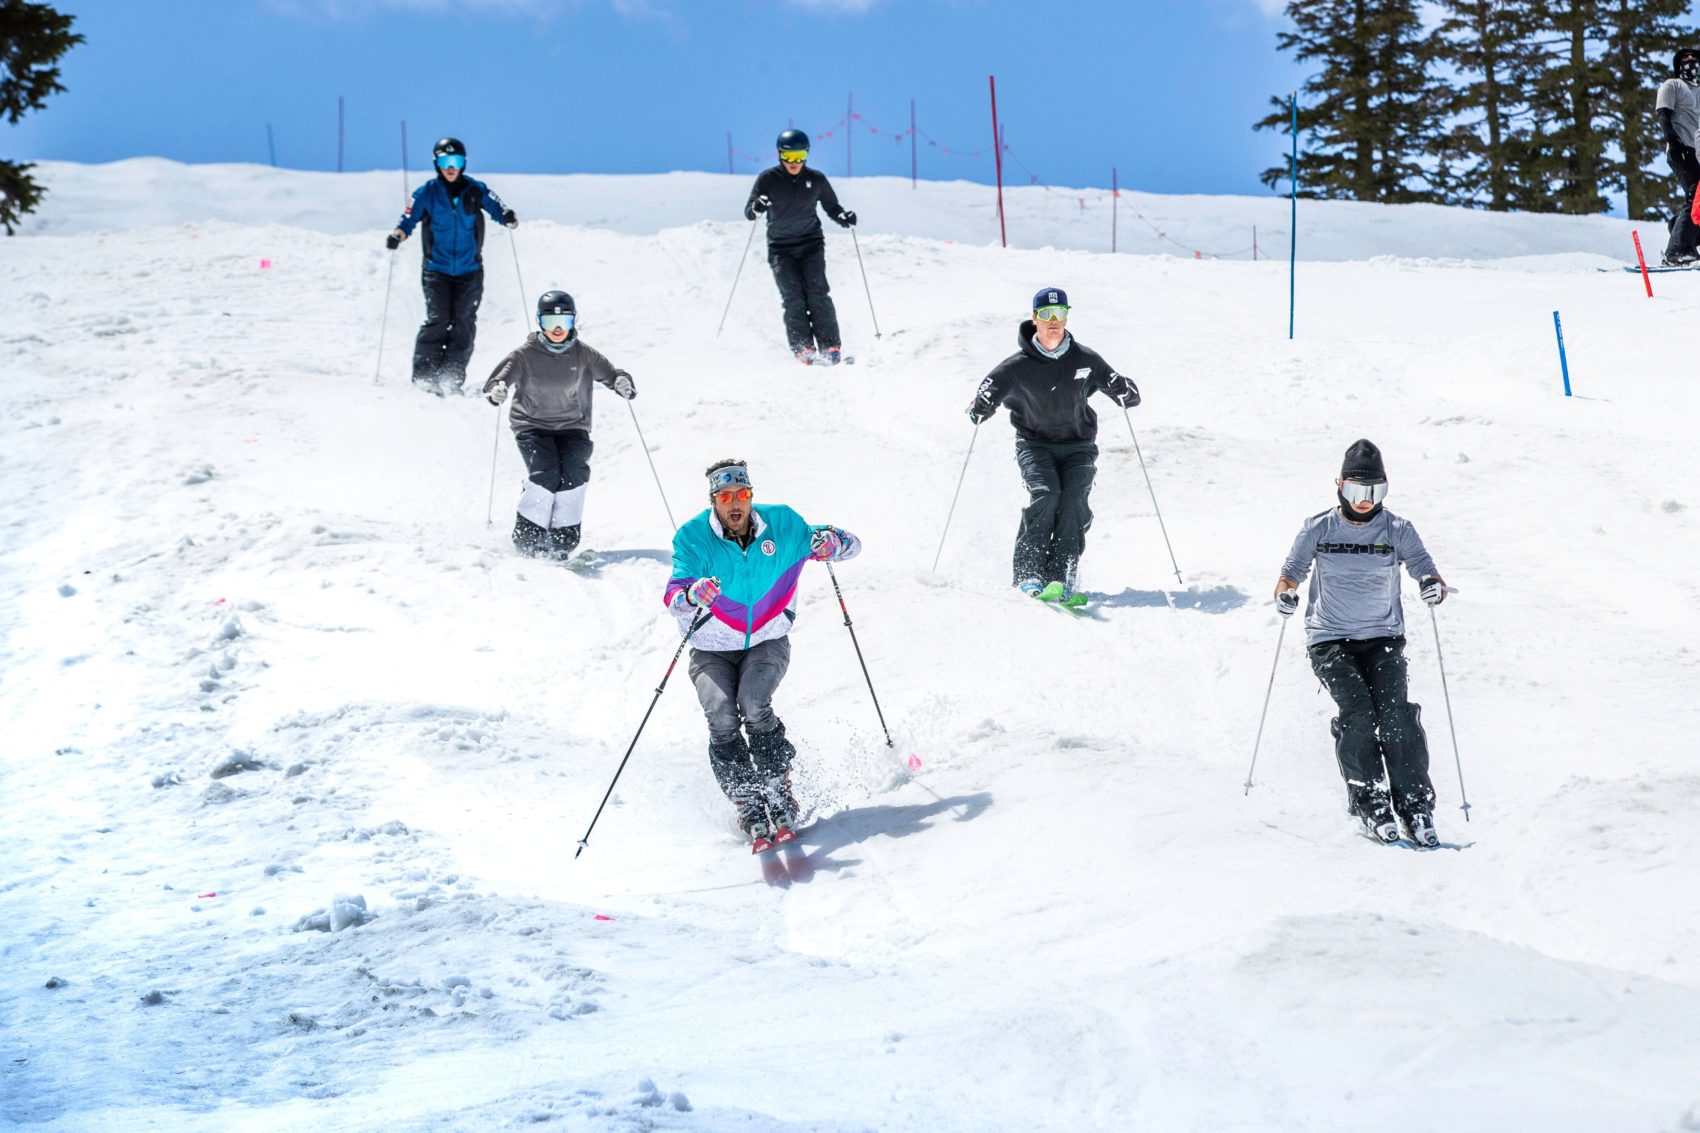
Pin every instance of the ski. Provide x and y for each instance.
(823, 360)
(585, 562)
(761, 844)
(1660, 270)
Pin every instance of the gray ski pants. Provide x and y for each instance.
(736, 686)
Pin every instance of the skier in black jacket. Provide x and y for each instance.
(1678, 111)
(796, 246)
(1046, 384)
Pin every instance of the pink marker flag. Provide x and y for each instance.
(265, 263)
(914, 762)
(600, 917)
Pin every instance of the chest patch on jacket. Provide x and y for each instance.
(767, 547)
(1083, 373)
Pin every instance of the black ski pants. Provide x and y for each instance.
(811, 320)
(444, 345)
(556, 462)
(1055, 521)
(1376, 724)
(1683, 236)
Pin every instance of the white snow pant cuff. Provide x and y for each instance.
(536, 503)
(568, 507)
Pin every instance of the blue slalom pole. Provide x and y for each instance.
(1564, 364)
(1293, 224)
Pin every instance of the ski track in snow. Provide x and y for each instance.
(260, 643)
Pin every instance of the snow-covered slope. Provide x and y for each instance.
(263, 652)
(151, 191)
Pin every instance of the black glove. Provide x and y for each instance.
(760, 205)
(1127, 399)
(978, 415)
(392, 241)
(509, 219)
(846, 218)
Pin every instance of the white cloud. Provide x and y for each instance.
(1270, 8)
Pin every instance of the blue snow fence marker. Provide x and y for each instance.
(1564, 365)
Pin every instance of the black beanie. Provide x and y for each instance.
(1363, 463)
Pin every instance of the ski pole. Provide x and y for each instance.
(735, 276)
(585, 841)
(389, 278)
(1452, 727)
(953, 498)
(1267, 693)
(524, 304)
(652, 471)
(1160, 524)
(858, 645)
(495, 449)
(865, 290)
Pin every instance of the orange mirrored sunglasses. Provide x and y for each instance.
(727, 495)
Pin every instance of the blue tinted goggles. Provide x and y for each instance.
(556, 322)
(451, 161)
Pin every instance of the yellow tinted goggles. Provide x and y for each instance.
(794, 155)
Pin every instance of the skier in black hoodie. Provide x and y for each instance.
(796, 246)
(1046, 384)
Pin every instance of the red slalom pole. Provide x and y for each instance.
(997, 152)
(1642, 260)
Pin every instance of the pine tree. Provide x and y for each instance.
(1641, 36)
(1484, 42)
(1566, 156)
(32, 38)
(1368, 115)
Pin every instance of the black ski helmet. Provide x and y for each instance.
(792, 140)
(556, 303)
(447, 145)
(1691, 54)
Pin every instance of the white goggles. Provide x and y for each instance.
(555, 322)
(1354, 492)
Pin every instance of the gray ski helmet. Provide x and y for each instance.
(447, 145)
(792, 140)
(1685, 64)
(556, 303)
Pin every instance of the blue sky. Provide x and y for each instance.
(1164, 90)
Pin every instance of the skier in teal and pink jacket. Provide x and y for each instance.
(741, 563)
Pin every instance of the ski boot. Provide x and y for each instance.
(562, 542)
(1375, 810)
(1030, 587)
(832, 355)
(1421, 826)
(529, 538)
(772, 754)
(806, 355)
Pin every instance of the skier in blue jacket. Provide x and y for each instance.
(741, 564)
(451, 208)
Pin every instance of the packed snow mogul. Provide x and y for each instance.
(1678, 109)
(1355, 631)
(796, 246)
(742, 564)
(1046, 384)
(551, 376)
(450, 208)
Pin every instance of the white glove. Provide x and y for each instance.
(1433, 591)
(623, 385)
(497, 393)
(1287, 603)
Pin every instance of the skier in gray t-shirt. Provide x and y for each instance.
(1678, 108)
(1355, 630)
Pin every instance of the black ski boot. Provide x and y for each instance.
(773, 754)
(562, 542)
(738, 780)
(1375, 810)
(529, 538)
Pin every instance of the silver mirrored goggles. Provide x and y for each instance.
(555, 322)
(1354, 492)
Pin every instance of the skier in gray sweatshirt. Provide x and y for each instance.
(551, 376)
(1355, 631)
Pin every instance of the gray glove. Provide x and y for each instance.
(497, 393)
(623, 385)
